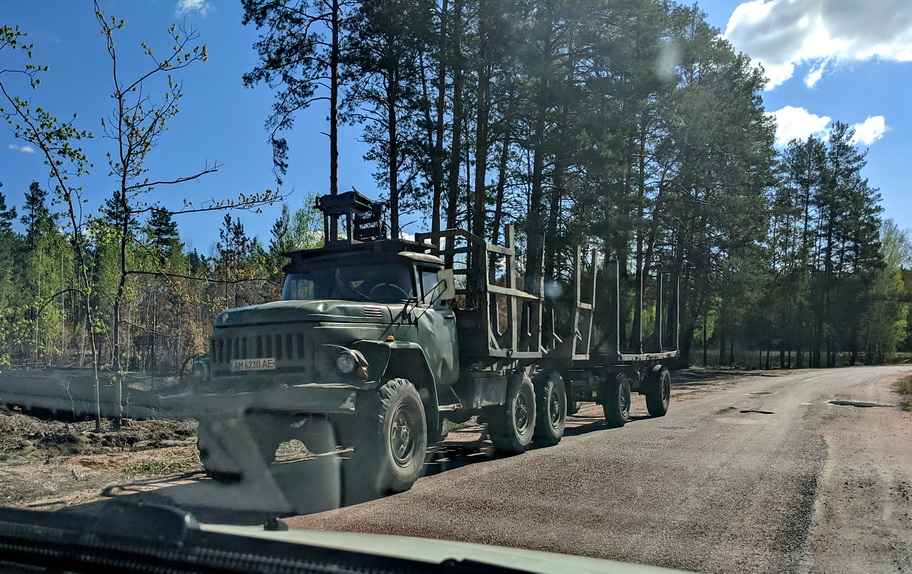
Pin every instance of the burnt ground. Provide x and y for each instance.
(41, 457)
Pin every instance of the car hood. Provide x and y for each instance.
(437, 551)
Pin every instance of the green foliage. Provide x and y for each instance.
(119, 290)
(298, 57)
(836, 278)
(904, 387)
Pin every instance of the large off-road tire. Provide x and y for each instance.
(615, 396)
(511, 426)
(391, 443)
(658, 392)
(550, 408)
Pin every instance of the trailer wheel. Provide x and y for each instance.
(512, 425)
(615, 396)
(658, 392)
(390, 447)
(550, 408)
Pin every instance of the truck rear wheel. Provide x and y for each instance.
(392, 442)
(550, 408)
(512, 425)
(658, 392)
(615, 397)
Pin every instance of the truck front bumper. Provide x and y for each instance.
(297, 399)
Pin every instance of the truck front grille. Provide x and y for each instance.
(288, 346)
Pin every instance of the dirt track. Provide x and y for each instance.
(762, 476)
(752, 473)
(48, 463)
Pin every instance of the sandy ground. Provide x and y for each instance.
(865, 499)
(848, 511)
(756, 474)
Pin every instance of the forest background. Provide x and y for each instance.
(630, 126)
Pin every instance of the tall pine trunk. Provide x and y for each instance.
(439, 123)
(456, 147)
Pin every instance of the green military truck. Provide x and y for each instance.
(378, 342)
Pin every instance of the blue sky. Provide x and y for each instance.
(828, 60)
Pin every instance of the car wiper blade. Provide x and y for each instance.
(147, 538)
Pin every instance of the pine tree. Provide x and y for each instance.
(387, 41)
(36, 217)
(300, 50)
(161, 231)
(234, 265)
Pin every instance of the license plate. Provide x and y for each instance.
(252, 365)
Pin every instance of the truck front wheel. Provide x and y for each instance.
(615, 396)
(390, 447)
(512, 425)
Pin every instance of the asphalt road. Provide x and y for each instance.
(760, 475)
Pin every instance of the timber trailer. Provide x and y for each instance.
(378, 342)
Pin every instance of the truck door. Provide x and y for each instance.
(437, 329)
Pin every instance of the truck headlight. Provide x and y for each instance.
(346, 362)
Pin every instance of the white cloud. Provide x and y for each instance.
(814, 75)
(783, 34)
(797, 123)
(187, 6)
(24, 148)
(870, 130)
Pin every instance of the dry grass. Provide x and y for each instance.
(160, 467)
(904, 388)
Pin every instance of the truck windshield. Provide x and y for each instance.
(380, 284)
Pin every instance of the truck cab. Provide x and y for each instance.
(339, 315)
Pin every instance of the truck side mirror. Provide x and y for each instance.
(448, 279)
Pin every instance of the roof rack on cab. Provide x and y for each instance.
(359, 217)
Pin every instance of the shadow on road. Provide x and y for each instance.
(286, 489)
(306, 486)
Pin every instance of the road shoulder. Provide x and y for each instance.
(863, 513)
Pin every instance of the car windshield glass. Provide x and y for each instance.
(623, 279)
(381, 284)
